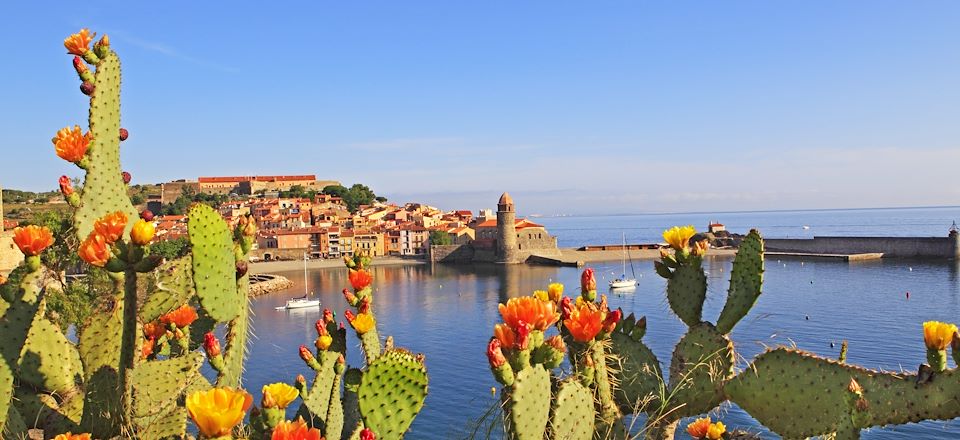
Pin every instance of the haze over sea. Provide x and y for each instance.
(448, 312)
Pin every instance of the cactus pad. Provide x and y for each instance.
(392, 392)
(317, 401)
(637, 371)
(214, 263)
(48, 361)
(572, 413)
(686, 291)
(237, 333)
(157, 384)
(174, 281)
(528, 403)
(746, 281)
(6, 391)
(103, 189)
(702, 361)
(782, 380)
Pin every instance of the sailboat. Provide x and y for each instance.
(623, 282)
(304, 301)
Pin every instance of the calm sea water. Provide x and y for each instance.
(448, 312)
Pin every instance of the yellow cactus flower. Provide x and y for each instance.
(142, 232)
(716, 430)
(938, 335)
(363, 322)
(323, 342)
(678, 237)
(555, 292)
(79, 43)
(71, 436)
(281, 393)
(541, 295)
(218, 410)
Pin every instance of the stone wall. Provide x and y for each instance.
(891, 247)
(10, 255)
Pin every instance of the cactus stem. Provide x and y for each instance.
(128, 341)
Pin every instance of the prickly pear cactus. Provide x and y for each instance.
(382, 398)
(571, 416)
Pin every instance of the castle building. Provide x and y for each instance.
(516, 239)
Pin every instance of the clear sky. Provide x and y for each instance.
(573, 107)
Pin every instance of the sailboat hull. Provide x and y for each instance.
(622, 284)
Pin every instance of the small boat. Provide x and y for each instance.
(301, 302)
(623, 282)
(806, 227)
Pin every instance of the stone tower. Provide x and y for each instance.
(506, 231)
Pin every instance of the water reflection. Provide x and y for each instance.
(448, 312)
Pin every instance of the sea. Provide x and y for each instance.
(447, 312)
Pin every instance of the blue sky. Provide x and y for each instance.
(573, 107)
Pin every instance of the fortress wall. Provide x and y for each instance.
(451, 253)
(891, 247)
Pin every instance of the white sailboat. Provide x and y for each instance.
(623, 282)
(304, 301)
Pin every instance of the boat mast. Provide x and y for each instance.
(305, 280)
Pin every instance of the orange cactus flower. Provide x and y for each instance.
(538, 314)
(95, 250)
(584, 323)
(360, 279)
(153, 330)
(182, 317)
(698, 428)
(716, 430)
(79, 43)
(281, 394)
(218, 410)
(147, 349)
(33, 239)
(296, 430)
(142, 232)
(71, 436)
(938, 335)
(111, 226)
(71, 144)
(505, 335)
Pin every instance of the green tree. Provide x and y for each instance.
(171, 249)
(440, 238)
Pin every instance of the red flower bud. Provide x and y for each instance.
(147, 215)
(587, 281)
(301, 380)
(349, 315)
(306, 354)
(523, 332)
(350, 297)
(87, 88)
(124, 134)
(126, 177)
(241, 268)
(495, 353)
(367, 434)
(321, 327)
(364, 305)
(610, 323)
(327, 316)
(78, 65)
(211, 345)
(566, 307)
(66, 188)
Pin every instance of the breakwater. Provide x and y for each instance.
(891, 247)
(262, 284)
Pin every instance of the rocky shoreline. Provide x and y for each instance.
(262, 284)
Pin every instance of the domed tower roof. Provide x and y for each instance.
(505, 199)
